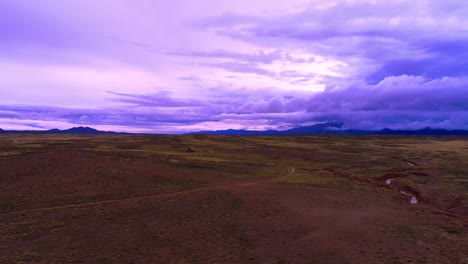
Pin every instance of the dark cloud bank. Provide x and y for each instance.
(404, 102)
(408, 62)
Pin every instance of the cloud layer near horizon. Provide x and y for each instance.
(155, 66)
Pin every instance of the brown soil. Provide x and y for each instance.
(62, 206)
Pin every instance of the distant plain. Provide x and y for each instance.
(233, 199)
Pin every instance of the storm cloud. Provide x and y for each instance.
(151, 66)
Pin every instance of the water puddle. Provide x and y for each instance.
(413, 199)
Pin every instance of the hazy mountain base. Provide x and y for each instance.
(73, 130)
(329, 128)
(335, 129)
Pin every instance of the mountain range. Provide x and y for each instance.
(328, 128)
(333, 128)
(73, 130)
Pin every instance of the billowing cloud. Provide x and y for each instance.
(152, 66)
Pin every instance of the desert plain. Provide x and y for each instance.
(233, 199)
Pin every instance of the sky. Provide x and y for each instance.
(158, 66)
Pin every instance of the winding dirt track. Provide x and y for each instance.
(210, 188)
(265, 221)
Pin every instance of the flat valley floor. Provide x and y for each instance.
(233, 199)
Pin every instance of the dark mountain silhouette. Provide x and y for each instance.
(322, 128)
(55, 130)
(329, 128)
(73, 130)
(332, 128)
(78, 130)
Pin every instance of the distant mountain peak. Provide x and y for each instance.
(79, 130)
(335, 129)
(73, 130)
(82, 129)
(319, 128)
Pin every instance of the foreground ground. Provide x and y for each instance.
(314, 199)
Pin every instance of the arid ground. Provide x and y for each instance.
(301, 199)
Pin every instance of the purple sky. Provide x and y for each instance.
(186, 65)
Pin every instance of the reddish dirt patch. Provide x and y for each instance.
(263, 222)
(193, 227)
(69, 176)
(296, 224)
(72, 206)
